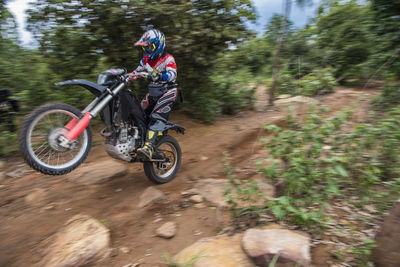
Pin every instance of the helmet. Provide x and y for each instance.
(153, 43)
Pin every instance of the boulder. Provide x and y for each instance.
(81, 242)
(36, 197)
(284, 96)
(262, 245)
(295, 100)
(387, 251)
(98, 172)
(196, 199)
(212, 190)
(149, 196)
(167, 230)
(215, 251)
(17, 173)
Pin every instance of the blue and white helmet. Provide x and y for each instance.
(153, 43)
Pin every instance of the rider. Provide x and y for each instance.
(158, 101)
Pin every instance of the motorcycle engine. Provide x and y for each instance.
(125, 143)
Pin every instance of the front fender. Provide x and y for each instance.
(94, 88)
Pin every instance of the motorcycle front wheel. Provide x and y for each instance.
(161, 172)
(38, 140)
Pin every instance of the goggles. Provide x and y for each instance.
(149, 48)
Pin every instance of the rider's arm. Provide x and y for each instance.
(141, 67)
(170, 73)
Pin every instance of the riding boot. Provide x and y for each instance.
(148, 149)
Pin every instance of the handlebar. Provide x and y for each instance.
(136, 75)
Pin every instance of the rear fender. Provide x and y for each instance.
(175, 127)
(94, 88)
(163, 125)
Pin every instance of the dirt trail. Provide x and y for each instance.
(23, 228)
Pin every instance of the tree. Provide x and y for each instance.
(74, 35)
(277, 57)
(387, 27)
(344, 34)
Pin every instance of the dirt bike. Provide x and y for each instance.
(8, 109)
(56, 138)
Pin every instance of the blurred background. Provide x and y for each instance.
(223, 49)
(335, 169)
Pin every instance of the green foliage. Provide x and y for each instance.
(8, 143)
(344, 34)
(196, 32)
(318, 82)
(374, 157)
(286, 84)
(363, 252)
(232, 89)
(243, 196)
(321, 164)
(206, 107)
(386, 26)
(311, 172)
(390, 96)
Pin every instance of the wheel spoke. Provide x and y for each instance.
(43, 145)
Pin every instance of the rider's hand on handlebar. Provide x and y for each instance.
(132, 76)
(155, 77)
(135, 75)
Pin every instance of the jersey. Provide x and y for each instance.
(165, 65)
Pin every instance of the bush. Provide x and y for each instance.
(8, 143)
(321, 163)
(206, 107)
(317, 82)
(286, 84)
(390, 96)
(234, 90)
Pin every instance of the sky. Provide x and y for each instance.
(265, 9)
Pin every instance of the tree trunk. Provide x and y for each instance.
(277, 59)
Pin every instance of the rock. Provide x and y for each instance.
(280, 187)
(17, 173)
(167, 230)
(370, 209)
(295, 100)
(196, 199)
(187, 193)
(212, 190)
(97, 173)
(81, 242)
(124, 250)
(215, 251)
(203, 158)
(36, 197)
(2, 176)
(279, 121)
(2, 164)
(149, 196)
(199, 206)
(263, 245)
(284, 96)
(49, 207)
(387, 251)
(157, 220)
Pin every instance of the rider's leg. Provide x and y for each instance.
(158, 117)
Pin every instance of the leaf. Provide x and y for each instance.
(341, 171)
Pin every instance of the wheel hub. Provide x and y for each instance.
(54, 141)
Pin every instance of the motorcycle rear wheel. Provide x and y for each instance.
(38, 140)
(163, 172)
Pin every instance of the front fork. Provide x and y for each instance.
(75, 127)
